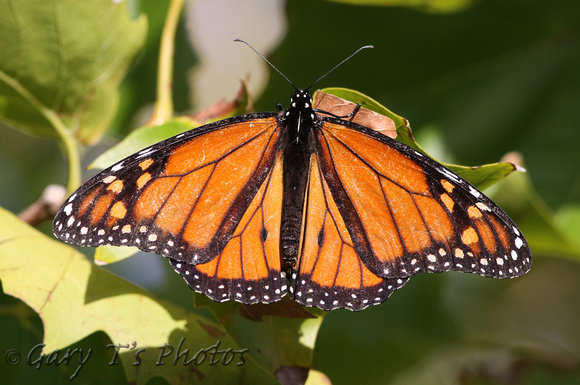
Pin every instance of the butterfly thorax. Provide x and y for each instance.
(297, 123)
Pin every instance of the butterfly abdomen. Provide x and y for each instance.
(297, 150)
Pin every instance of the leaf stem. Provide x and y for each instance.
(71, 146)
(163, 110)
(70, 143)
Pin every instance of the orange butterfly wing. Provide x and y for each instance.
(209, 199)
(248, 269)
(174, 197)
(406, 213)
(329, 273)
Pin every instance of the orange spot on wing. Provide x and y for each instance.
(352, 273)
(145, 164)
(314, 221)
(118, 210)
(116, 187)
(334, 215)
(143, 179)
(272, 216)
(368, 278)
(448, 202)
(209, 268)
(324, 266)
(447, 186)
(349, 272)
(469, 236)
(253, 257)
(474, 212)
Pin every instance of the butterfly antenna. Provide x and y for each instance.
(339, 64)
(267, 61)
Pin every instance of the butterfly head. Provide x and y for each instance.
(300, 105)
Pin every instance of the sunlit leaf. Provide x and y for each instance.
(61, 63)
(139, 139)
(76, 298)
(280, 335)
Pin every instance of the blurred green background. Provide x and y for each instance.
(476, 80)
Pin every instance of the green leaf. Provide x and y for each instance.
(141, 138)
(109, 254)
(486, 175)
(76, 298)
(61, 63)
(480, 176)
(280, 335)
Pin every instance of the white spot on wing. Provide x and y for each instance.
(482, 206)
(117, 167)
(68, 209)
(449, 174)
(474, 192)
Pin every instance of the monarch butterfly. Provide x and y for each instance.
(257, 206)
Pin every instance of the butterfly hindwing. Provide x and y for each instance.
(406, 213)
(330, 274)
(248, 269)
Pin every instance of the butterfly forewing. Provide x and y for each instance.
(174, 197)
(412, 214)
